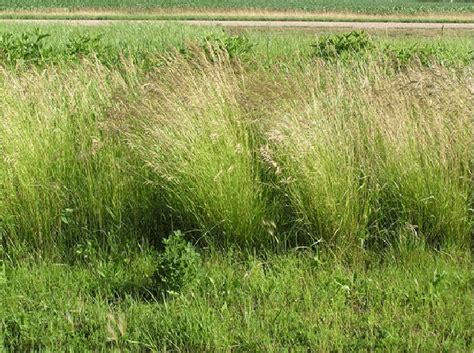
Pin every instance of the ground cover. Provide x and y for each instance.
(181, 188)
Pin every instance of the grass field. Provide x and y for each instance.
(299, 300)
(174, 188)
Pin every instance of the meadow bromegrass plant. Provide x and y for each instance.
(65, 173)
(357, 155)
(367, 154)
(194, 136)
(347, 153)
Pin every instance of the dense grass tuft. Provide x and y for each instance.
(194, 136)
(66, 176)
(344, 152)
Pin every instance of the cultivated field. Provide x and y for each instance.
(302, 10)
(175, 188)
(368, 6)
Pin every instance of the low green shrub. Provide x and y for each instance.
(179, 265)
(341, 46)
(27, 48)
(234, 46)
(83, 45)
(426, 54)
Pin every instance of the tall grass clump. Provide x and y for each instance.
(423, 169)
(65, 175)
(313, 143)
(343, 153)
(193, 134)
(340, 153)
(369, 156)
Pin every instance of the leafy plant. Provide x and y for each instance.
(178, 266)
(426, 54)
(84, 45)
(234, 46)
(27, 47)
(336, 46)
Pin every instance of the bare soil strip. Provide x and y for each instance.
(273, 24)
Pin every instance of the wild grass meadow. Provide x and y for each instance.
(169, 188)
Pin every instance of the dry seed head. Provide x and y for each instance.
(266, 156)
(275, 136)
(239, 148)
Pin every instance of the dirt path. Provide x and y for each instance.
(277, 24)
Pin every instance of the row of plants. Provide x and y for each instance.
(35, 48)
(345, 156)
(361, 6)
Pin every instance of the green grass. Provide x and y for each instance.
(144, 42)
(322, 185)
(299, 300)
(365, 6)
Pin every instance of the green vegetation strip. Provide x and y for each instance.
(299, 300)
(132, 17)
